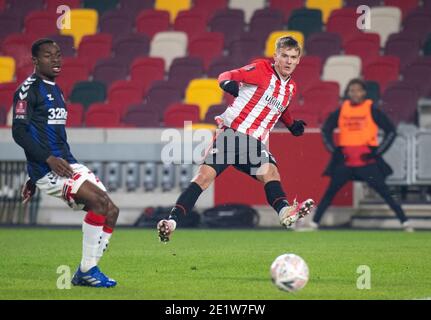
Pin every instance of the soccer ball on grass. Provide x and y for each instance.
(289, 272)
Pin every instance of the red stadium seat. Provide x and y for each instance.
(122, 93)
(75, 115)
(404, 46)
(163, 93)
(2, 5)
(141, 115)
(210, 6)
(191, 22)
(399, 102)
(323, 45)
(364, 45)
(207, 46)
(95, 47)
(151, 22)
(323, 96)
(73, 70)
(7, 91)
(230, 22)
(176, 114)
(145, 71)
(307, 72)
(310, 113)
(52, 5)
(286, 6)
(343, 22)
(110, 70)
(40, 24)
(101, 115)
(405, 5)
(18, 46)
(383, 70)
(24, 71)
(24, 7)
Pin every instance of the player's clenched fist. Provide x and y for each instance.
(297, 128)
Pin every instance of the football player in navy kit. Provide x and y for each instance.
(39, 121)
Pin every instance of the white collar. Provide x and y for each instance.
(49, 82)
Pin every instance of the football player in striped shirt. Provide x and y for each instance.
(263, 92)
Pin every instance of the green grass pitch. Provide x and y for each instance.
(222, 264)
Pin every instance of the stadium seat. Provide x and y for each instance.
(150, 22)
(325, 6)
(22, 8)
(248, 6)
(204, 93)
(404, 5)
(75, 115)
(40, 24)
(426, 4)
(323, 97)
(84, 23)
(18, 46)
(88, 92)
(207, 46)
(9, 24)
(101, 6)
(357, 3)
(384, 21)
(383, 70)
(134, 7)
(364, 45)
(286, 6)
(213, 111)
(399, 102)
(418, 22)
(418, 74)
(192, 22)
(173, 7)
(404, 46)
(95, 47)
(2, 5)
(52, 5)
(131, 46)
(311, 114)
(183, 70)
(146, 70)
(169, 45)
(264, 21)
(307, 72)
(7, 69)
(244, 49)
(210, 5)
(306, 21)
(230, 22)
(141, 116)
(323, 45)
(117, 23)
(101, 115)
(66, 44)
(344, 22)
(7, 91)
(163, 93)
(342, 69)
(25, 71)
(122, 93)
(272, 38)
(109, 70)
(177, 113)
(222, 64)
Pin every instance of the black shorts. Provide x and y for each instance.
(244, 152)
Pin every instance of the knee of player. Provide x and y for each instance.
(203, 180)
(101, 204)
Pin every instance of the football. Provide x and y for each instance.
(289, 272)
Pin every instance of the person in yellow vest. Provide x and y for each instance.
(358, 155)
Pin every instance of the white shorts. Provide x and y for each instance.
(66, 188)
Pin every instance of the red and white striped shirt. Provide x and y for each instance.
(263, 98)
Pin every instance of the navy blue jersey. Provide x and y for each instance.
(39, 121)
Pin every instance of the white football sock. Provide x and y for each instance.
(104, 241)
(90, 244)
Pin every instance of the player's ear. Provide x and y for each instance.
(35, 61)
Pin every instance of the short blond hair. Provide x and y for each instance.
(287, 42)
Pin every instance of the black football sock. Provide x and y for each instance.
(275, 195)
(186, 201)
